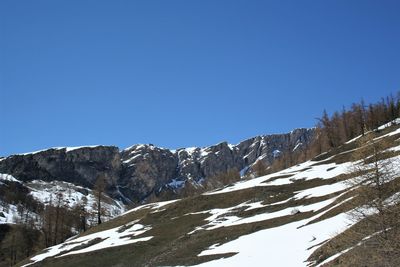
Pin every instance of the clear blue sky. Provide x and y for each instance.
(186, 73)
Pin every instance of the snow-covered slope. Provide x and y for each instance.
(282, 219)
(47, 193)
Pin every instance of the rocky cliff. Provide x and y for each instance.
(81, 165)
(140, 171)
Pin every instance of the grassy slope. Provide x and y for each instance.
(172, 245)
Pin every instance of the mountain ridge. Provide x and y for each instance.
(140, 171)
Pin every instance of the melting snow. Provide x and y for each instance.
(322, 190)
(190, 150)
(153, 206)
(271, 246)
(297, 146)
(305, 170)
(72, 195)
(223, 218)
(8, 177)
(389, 134)
(394, 122)
(9, 213)
(104, 239)
(132, 158)
(204, 152)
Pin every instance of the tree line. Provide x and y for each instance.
(332, 131)
(360, 118)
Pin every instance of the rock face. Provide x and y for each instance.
(139, 171)
(145, 168)
(268, 147)
(80, 166)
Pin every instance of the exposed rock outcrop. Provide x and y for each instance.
(81, 166)
(145, 168)
(139, 171)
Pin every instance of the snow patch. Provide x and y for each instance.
(306, 170)
(253, 249)
(297, 146)
(153, 206)
(8, 177)
(175, 184)
(100, 240)
(276, 153)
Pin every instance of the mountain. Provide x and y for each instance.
(295, 217)
(139, 172)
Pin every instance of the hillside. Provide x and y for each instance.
(45, 193)
(50, 195)
(294, 217)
